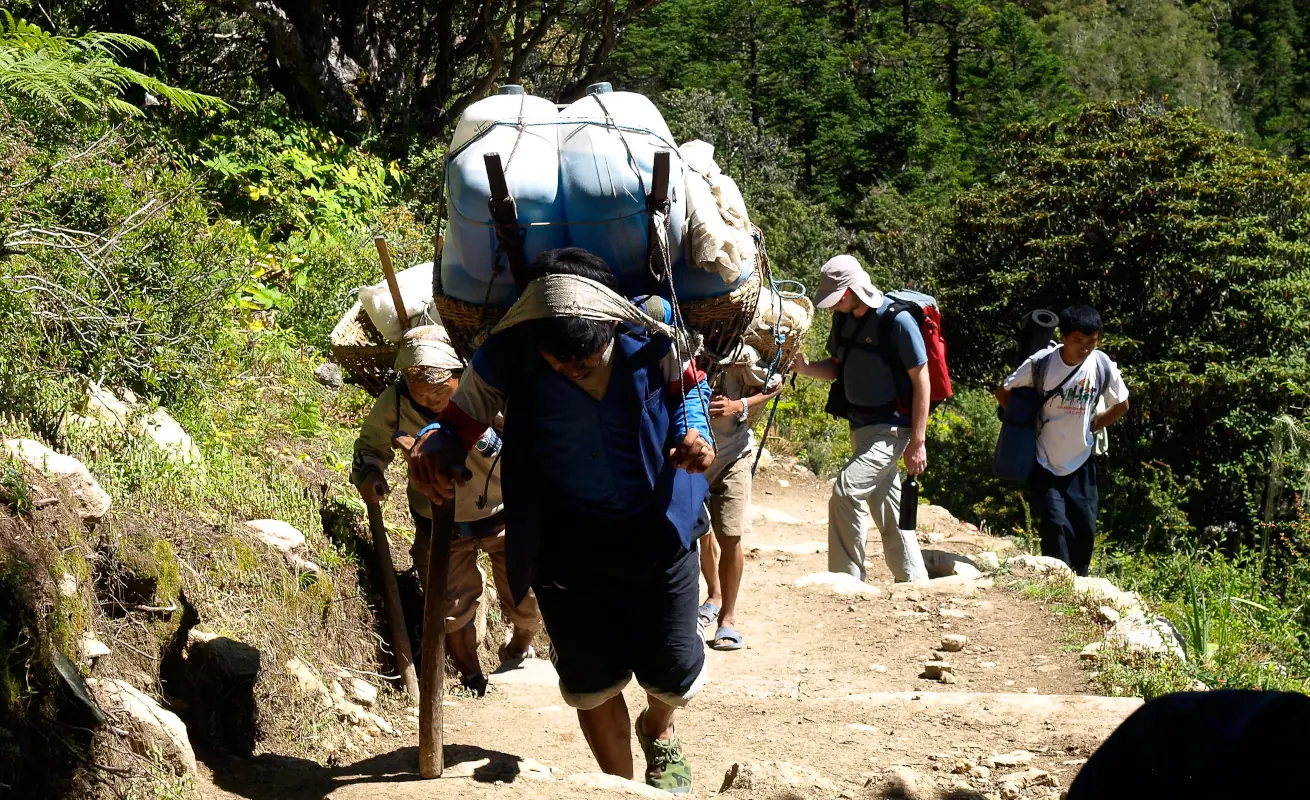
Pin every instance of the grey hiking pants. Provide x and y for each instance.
(871, 482)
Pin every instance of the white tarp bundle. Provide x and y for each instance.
(753, 368)
(415, 286)
(718, 231)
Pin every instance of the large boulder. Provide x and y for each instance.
(1102, 590)
(102, 408)
(1142, 634)
(950, 586)
(165, 432)
(775, 779)
(1038, 566)
(149, 725)
(615, 786)
(281, 536)
(92, 501)
(284, 538)
(838, 583)
(941, 564)
(903, 783)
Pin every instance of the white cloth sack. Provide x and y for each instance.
(720, 238)
(415, 289)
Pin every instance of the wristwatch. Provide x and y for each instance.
(745, 410)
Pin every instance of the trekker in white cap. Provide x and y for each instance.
(866, 394)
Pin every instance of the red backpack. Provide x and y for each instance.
(929, 317)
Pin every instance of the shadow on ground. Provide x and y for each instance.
(272, 777)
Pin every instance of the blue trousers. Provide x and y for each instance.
(1067, 506)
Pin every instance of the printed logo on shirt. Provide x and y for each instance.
(1078, 397)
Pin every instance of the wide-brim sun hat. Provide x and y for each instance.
(841, 273)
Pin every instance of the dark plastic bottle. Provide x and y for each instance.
(910, 504)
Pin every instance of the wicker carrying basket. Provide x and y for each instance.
(365, 357)
(790, 347)
(467, 324)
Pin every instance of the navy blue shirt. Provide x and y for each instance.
(594, 446)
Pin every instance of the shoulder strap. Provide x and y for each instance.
(886, 345)
(1103, 377)
(1041, 376)
(844, 343)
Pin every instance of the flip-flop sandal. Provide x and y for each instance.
(708, 614)
(733, 639)
(508, 660)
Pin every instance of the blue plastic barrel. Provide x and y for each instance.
(522, 129)
(607, 146)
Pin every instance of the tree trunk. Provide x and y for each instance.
(953, 75)
(411, 67)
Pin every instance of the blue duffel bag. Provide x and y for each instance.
(1016, 448)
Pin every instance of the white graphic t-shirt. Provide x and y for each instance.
(1066, 438)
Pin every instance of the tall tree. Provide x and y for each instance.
(410, 66)
(1194, 248)
(1263, 53)
(398, 67)
(1121, 49)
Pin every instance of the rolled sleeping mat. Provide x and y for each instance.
(1036, 333)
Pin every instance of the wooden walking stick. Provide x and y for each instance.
(431, 684)
(389, 272)
(433, 678)
(391, 594)
(381, 544)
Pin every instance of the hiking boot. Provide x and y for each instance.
(667, 768)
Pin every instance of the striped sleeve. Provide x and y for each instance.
(474, 407)
(690, 393)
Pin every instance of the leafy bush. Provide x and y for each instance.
(1194, 248)
(80, 76)
(1241, 632)
(311, 203)
(112, 267)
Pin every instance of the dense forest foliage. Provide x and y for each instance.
(224, 171)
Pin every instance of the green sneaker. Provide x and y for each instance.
(666, 766)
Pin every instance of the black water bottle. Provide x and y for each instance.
(910, 504)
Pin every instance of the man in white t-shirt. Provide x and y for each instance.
(1074, 377)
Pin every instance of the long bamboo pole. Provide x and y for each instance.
(433, 677)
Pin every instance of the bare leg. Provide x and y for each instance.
(732, 562)
(710, 569)
(657, 722)
(606, 728)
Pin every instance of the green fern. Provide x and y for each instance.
(82, 73)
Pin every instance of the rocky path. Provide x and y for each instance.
(831, 683)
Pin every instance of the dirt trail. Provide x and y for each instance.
(826, 681)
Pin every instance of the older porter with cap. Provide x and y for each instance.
(430, 371)
(865, 394)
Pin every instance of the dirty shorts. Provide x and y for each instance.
(619, 610)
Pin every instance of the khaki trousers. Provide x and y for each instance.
(466, 580)
(871, 483)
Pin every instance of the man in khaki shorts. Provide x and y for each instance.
(728, 505)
